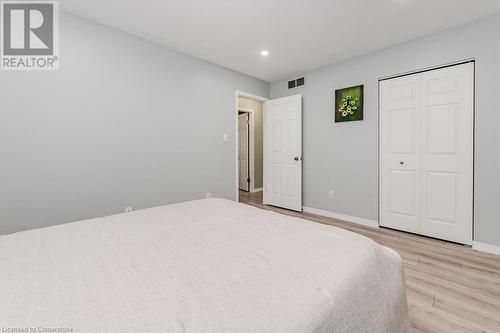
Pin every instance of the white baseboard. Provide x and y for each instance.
(483, 247)
(260, 189)
(352, 219)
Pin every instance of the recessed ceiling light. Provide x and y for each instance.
(264, 53)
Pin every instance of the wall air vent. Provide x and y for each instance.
(296, 83)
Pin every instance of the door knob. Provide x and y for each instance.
(401, 162)
(297, 158)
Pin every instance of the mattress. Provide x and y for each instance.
(201, 266)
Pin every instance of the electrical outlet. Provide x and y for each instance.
(208, 195)
(128, 209)
(330, 194)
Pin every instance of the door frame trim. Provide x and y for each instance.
(238, 94)
(427, 69)
(474, 132)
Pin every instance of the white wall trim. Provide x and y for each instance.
(483, 247)
(249, 96)
(352, 219)
(478, 246)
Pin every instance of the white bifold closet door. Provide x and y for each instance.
(426, 153)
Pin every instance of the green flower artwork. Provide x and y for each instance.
(349, 104)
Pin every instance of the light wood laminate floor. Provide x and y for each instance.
(451, 288)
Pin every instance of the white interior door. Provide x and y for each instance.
(283, 152)
(426, 153)
(243, 179)
(447, 153)
(399, 153)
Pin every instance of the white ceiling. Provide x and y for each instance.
(300, 34)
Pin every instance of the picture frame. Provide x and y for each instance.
(349, 104)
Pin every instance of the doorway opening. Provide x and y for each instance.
(275, 159)
(249, 145)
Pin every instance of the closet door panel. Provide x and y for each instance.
(399, 153)
(447, 153)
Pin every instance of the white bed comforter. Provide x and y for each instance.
(201, 266)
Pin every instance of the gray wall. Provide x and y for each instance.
(343, 157)
(124, 122)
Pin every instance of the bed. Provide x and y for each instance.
(201, 266)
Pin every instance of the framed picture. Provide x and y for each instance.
(349, 104)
